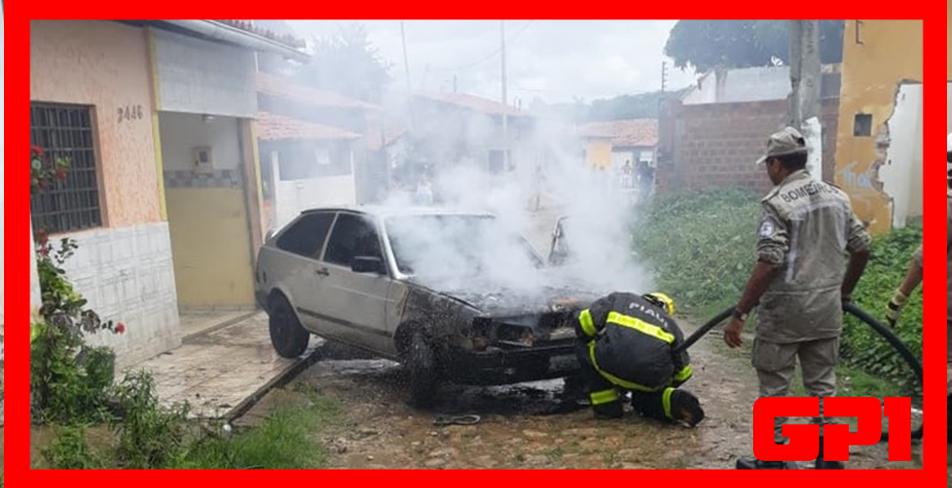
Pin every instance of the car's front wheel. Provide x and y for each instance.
(420, 361)
(288, 337)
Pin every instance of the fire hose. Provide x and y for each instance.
(853, 310)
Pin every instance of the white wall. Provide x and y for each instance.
(902, 173)
(742, 85)
(181, 132)
(704, 92)
(292, 197)
(126, 274)
(204, 77)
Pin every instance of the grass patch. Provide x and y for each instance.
(700, 246)
(852, 381)
(285, 440)
(70, 450)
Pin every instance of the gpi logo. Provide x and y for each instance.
(804, 439)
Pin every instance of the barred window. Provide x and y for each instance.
(65, 131)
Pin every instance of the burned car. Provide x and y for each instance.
(453, 296)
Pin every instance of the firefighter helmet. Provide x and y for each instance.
(662, 300)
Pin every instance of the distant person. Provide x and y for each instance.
(627, 175)
(538, 183)
(645, 178)
(424, 192)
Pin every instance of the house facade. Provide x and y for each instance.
(163, 194)
(317, 148)
(453, 128)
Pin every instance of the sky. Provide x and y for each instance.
(555, 61)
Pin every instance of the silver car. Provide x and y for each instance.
(453, 296)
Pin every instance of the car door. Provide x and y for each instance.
(294, 266)
(354, 304)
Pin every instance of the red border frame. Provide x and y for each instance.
(16, 440)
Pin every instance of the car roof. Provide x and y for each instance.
(384, 211)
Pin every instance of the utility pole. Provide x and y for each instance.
(505, 121)
(664, 75)
(406, 62)
(406, 69)
(805, 79)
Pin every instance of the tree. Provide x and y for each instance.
(639, 106)
(349, 64)
(709, 44)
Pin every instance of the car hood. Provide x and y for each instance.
(499, 300)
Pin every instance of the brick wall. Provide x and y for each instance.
(709, 145)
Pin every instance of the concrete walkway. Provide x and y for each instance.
(223, 371)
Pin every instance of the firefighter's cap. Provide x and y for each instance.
(782, 143)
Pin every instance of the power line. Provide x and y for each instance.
(489, 56)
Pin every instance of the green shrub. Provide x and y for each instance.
(69, 450)
(863, 347)
(150, 435)
(700, 246)
(68, 379)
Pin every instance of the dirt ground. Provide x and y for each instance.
(530, 425)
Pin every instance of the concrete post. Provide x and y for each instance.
(804, 70)
(251, 174)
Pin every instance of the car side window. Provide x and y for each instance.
(306, 236)
(352, 236)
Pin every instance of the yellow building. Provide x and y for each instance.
(613, 144)
(598, 152)
(879, 151)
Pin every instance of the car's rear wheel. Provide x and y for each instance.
(421, 363)
(288, 337)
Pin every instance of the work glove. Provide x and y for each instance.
(894, 307)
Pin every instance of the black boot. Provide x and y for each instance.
(686, 408)
(610, 410)
(751, 463)
(824, 464)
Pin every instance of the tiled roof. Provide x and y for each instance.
(273, 127)
(249, 26)
(626, 133)
(279, 86)
(475, 103)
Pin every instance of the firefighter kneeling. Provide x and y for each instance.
(626, 344)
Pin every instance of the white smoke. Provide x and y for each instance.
(548, 165)
(546, 162)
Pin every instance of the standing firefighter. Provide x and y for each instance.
(626, 344)
(801, 279)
